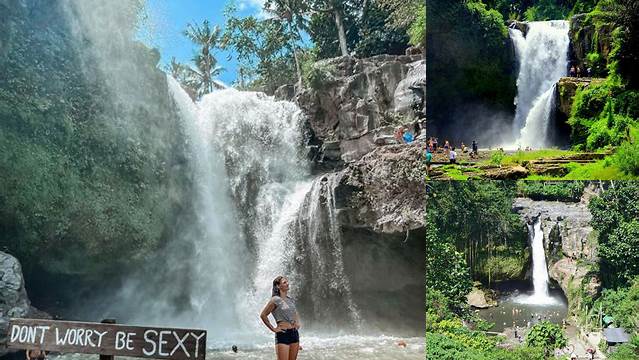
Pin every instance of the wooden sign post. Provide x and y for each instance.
(107, 339)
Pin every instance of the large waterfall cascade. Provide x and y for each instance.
(540, 277)
(260, 214)
(543, 59)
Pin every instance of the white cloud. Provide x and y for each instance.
(255, 4)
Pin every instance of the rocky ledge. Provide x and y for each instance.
(567, 89)
(353, 104)
(384, 190)
(571, 248)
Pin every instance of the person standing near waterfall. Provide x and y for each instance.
(287, 338)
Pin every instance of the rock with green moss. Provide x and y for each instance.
(591, 34)
(567, 89)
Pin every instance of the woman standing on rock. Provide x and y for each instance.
(287, 338)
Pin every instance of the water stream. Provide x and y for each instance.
(540, 295)
(543, 58)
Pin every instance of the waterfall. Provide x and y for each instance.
(541, 295)
(543, 58)
(258, 214)
(540, 270)
(320, 255)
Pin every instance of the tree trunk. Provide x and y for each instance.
(341, 33)
(298, 68)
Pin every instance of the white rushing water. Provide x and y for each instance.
(321, 251)
(543, 59)
(540, 295)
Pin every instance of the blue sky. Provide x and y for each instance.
(167, 19)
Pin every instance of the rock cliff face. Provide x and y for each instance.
(14, 302)
(571, 248)
(380, 209)
(357, 101)
(384, 190)
(590, 34)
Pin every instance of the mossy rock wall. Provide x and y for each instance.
(591, 34)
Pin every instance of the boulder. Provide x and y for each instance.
(14, 302)
(285, 92)
(384, 190)
(519, 25)
(507, 173)
(410, 93)
(477, 299)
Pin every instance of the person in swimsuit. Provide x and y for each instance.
(282, 307)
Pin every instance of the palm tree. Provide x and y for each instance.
(202, 77)
(206, 64)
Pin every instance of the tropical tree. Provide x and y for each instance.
(336, 8)
(206, 69)
(291, 12)
(263, 48)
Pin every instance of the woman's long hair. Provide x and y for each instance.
(276, 290)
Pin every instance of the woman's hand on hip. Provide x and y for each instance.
(278, 329)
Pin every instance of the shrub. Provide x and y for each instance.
(627, 157)
(497, 157)
(546, 335)
(319, 75)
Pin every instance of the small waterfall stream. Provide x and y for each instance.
(543, 58)
(320, 254)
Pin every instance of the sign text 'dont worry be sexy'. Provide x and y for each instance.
(107, 339)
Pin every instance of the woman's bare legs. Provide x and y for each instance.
(294, 348)
(282, 351)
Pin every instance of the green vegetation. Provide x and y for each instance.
(622, 305)
(473, 56)
(605, 114)
(541, 9)
(201, 79)
(275, 50)
(85, 169)
(477, 218)
(616, 218)
(446, 270)
(547, 336)
(568, 191)
(472, 233)
(521, 157)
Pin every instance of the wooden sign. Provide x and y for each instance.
(107, 339)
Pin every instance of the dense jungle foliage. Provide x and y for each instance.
(91, 160)
(453, 213)
(477, 219)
